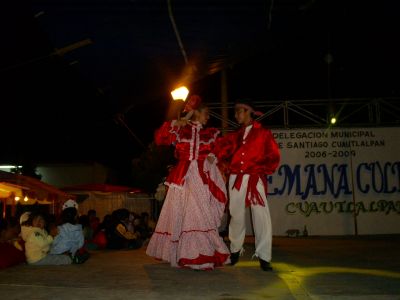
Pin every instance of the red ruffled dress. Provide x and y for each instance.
(187, 234)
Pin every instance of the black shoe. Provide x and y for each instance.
(264, 265)
(234, 258)
(80, 258)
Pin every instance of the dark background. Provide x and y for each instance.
(103, 101)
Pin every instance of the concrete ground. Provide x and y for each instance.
(304, 268)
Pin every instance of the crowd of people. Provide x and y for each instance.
(39, 238)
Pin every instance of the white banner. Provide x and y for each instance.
(336, 181)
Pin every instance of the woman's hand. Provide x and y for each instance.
(211, 159)
(181, 122)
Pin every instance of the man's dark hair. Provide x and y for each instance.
(69, 215)
(246, 101)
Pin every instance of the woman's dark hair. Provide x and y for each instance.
(201, 106)
(33, 215)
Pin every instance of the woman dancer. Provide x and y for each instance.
(187, 234)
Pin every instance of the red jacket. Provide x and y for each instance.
(257, 155)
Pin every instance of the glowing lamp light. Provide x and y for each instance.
(9, 167)
(26, 199)
(333, 120)
(16, 198)
(180, 93)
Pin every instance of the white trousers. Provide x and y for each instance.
(260, 217)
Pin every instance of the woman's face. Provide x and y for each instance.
(202, 115)
(38, 222)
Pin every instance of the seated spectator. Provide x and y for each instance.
(129, 223)
(94, 221)
(11, 247)
(145, 226)
(38, 242)
(118, 235)
(100, 239)
(70, 239)
(87, 230)
(10, 230)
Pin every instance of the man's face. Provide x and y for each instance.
(242, 115)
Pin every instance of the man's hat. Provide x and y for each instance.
(70, 203)
(248, 104)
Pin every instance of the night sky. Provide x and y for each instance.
(69, 108)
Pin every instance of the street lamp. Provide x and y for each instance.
(179, 96)
(180, 93)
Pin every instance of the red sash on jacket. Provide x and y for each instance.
(253, 197)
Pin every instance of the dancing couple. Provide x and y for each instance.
(187, 233)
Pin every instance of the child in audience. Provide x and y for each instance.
(118, 235)
(38, 242)
(94, 221)
(70, 239)
(104, 228)
(144, 226)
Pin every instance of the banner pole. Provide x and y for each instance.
(353, 194)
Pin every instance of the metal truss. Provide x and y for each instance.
(350, 112)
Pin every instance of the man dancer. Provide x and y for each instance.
(255, 155)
